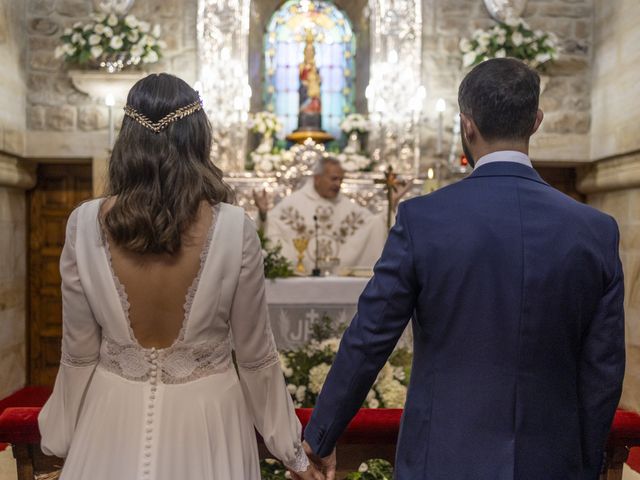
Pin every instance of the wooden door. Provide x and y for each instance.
(60, 188)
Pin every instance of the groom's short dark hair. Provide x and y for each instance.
(501, 96)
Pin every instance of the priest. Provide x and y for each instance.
(334, 226)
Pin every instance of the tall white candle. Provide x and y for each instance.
(110, 102)
(441, 106)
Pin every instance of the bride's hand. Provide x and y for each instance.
(311, 473)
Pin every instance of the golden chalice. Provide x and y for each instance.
(301, 244)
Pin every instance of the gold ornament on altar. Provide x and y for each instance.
(300, 244)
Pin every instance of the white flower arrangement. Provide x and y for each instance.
(306, 371)
(266, 123)
(513, 38)
(111, 41)
(355, 122)
(271, 162)
(354, 162)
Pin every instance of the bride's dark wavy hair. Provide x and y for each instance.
(159, 179)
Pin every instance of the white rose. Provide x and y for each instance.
(317, 377)
(69, 49)
(468, 59)
(363, 467)
(67, 31)
(77, 25)
(94, 39)
(332, 344)
(264, 165)
(300, 393)
(374, 403)
(96, 51)
(108, 32)
(133, 36)
(151, 41)
(151, 57)
(501, 53)
(465, 45)
(59, 51)
(137, 51)
(543, 57)
(112, 21)
(99, 29)
(156, 31)
(144, 27)
(131, 21)
(291, 388)
(116, 43)
(484, 40)
(87, 27)
(76, 37)
(371, 395)
(517, 39)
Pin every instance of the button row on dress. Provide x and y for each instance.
(153, 380)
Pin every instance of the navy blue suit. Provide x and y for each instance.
(516, 294)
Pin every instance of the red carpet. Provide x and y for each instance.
(369, 426)
(634, 459)
(25, 397)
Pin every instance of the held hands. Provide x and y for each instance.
(326, 465)
(311, 473)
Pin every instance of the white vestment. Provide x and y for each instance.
(346, 230)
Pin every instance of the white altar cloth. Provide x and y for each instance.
(295, 303)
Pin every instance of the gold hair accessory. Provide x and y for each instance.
(164, 122)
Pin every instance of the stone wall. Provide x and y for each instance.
(566, 98)
(53, 103)
(616, 89)
(13, 216)
(613, 182)
(61, 116)
(13, 282)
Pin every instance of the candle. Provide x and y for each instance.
(110, 101)
(430, 183)
(441, 106)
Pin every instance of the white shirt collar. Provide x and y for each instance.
(505, 156)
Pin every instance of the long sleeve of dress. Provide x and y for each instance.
(80, 351)
(261, 377)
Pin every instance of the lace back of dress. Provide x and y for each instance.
(182, 361)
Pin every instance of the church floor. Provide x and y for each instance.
(8, 469)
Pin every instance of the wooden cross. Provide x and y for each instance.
(390, 182)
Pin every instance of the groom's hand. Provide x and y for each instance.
(311, 473)
(326, 465)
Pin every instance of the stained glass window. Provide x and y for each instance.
(335, 49)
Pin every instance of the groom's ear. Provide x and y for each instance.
(468, 128)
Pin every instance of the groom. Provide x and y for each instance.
(515, 293)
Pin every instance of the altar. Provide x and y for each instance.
(295, 303)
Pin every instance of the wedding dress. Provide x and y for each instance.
(121, 411)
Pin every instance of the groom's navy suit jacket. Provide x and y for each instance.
(516, 297)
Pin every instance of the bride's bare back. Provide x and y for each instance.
(157, 284)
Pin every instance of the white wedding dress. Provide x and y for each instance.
(121, 411)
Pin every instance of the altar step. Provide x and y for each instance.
(372, 434)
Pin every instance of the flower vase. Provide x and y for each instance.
(354, 143)
(266, 143)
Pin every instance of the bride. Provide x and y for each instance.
(159, 280)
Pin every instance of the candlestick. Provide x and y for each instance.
(441, 106)
(110, 102)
